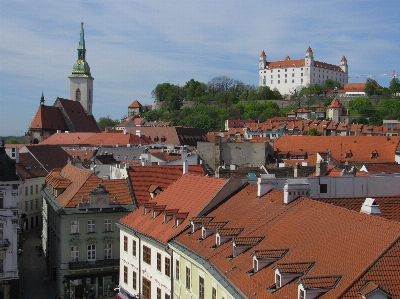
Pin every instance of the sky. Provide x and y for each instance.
(131, 46)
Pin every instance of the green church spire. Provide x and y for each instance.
(81, 47)
(81, 67)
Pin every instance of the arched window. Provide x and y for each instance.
(78, 94)
(90, 96)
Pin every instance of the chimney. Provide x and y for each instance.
(370, 207)
(296, 170)
(321, 168)
(185, 167)
(295, 188)
(138, 133)
(265, 183)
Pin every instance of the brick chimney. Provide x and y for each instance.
(370, 207)
(321, 168)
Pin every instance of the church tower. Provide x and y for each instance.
(343, 65)
(263, 61)
(81, 81)
(309, 60)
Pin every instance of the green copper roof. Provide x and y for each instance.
(81, 67)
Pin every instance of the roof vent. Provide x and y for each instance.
(370, 207)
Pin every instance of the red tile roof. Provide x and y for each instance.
(76, 115)
(361, 147)
(78, 182)
(112, 139)
(335, 103)
(135, 104)
(28, 167)
(72, 138)
(190, 194)
(48, 118)
(389, 206)
(341, 243)
(142, 177)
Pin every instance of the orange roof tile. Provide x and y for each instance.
(72, 138)
(190, 194)
(361, 147)
(135, 104)
(78, 182)
(335, 103)
(49, 118)
(341, 243)
(142, 177)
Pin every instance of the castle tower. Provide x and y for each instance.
(343, 65)
(81, 81)
(263, 61)
(309, 60)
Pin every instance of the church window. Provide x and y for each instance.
(78, 94)
(90, 96)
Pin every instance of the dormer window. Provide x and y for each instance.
(302, 294)
(277, 280)
(374, 155)
(210, 228)
(349, 154)
(156, 139)
(148, 207)
(316, 285)
(197, 222)
(241, 244)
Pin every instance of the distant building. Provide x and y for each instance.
(74, 115)
(287, 75)
(336, 112)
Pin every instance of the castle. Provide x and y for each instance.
(288, 75)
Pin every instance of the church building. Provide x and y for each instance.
(73, 115)
(287, 75)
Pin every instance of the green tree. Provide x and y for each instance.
(394, 86)
(194, 90)
(362, 120)
(13, 140)
(371, 87)
(265, 93)
(376, 118)
(313, 132)
(390, 109)
(104, 122)
(171, 96)
(362, 105)
(297, 96)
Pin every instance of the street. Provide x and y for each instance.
(34, 283)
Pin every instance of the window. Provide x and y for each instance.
(201, 287)
(26, 191)
(91, 252)
(37, 189)
(107, 225)
(74, 227)
(323, 188)
(279, 76)
(302, 74)
(158, 261)
(107, 251)
(188, 278)
(176, 269)
(91, 226)
(285, 75)
(158, 293)
(1, 200)
(292, 75)
(272, 81)
(26, 206)
(285, 80)
(167, 296)
(278, 280)
(78, 95)
(146, 289)
(147, 255)
(74, 254)
(125, 274)
(31, 205)
(167, 270)
(279, 81)
(134, 247)
(31, 190)
(292, 81)
(214, 293)
(302, 294)
(125, 243)
(36, 204)
(134, 280)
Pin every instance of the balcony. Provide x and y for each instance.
(94, 264)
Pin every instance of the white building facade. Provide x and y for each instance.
(289, 75)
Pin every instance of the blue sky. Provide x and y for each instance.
(134, 45)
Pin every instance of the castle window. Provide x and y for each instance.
(285, 81)
(292, 75)
(279, 81)
(279, 76)
(272, 81)
(78, 94)
(292, 81)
